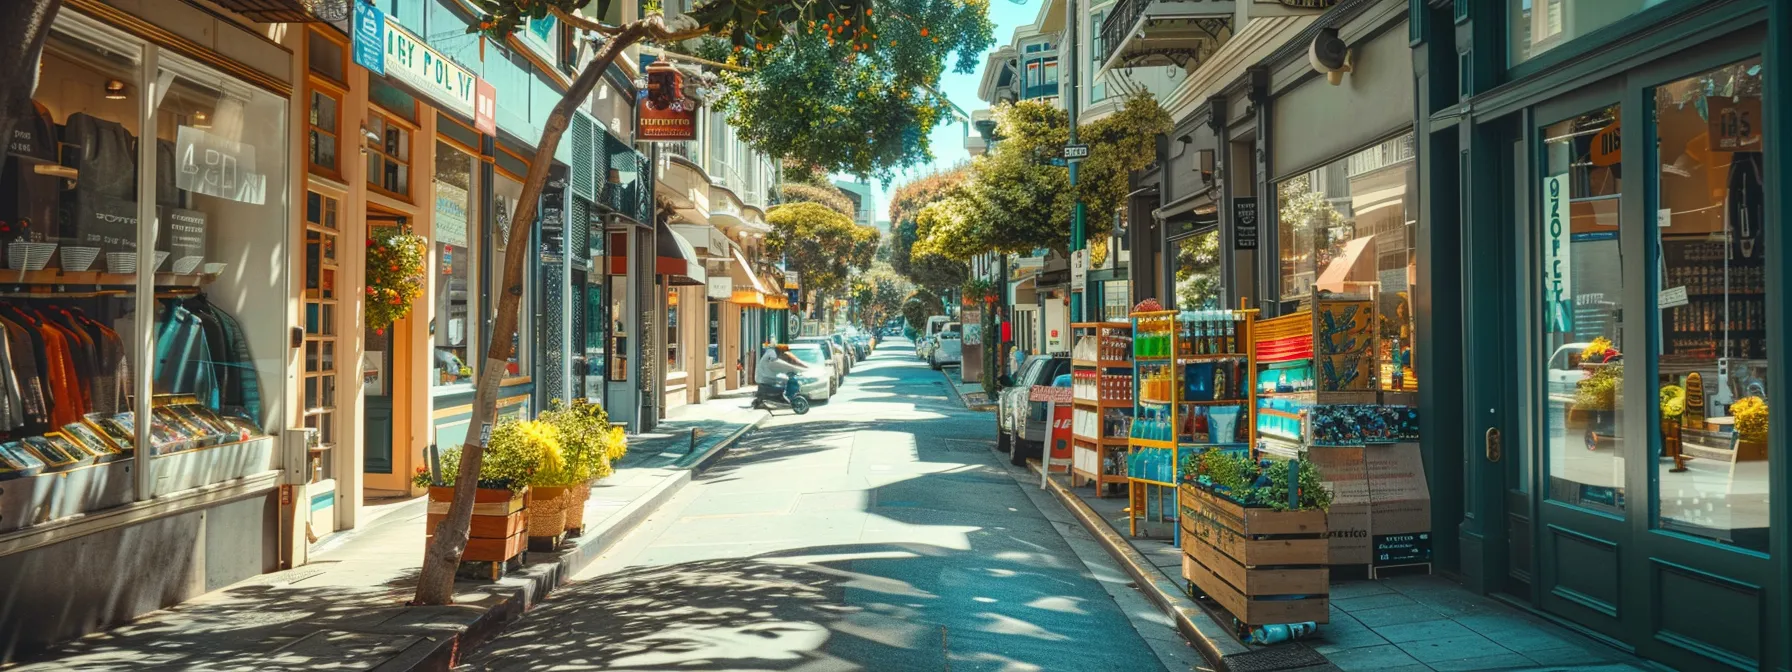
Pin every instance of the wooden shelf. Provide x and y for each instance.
(1215, 402)
(1147, 481)
(1102, 363)
(1152, 443)
(1106, 442)
(1103, 403)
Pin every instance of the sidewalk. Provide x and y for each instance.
(1409, 624)
(968, 395)
(346, 608)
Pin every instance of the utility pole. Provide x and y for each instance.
(1079, 302)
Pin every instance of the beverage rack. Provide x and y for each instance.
(1101, 375)
(1192, 374)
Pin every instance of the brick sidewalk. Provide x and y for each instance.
(346, 608)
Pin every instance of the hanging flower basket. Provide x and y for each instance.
(394, 275)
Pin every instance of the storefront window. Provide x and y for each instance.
(1347, 228)
(322, 308)
(388, 156)
(1711, 303)
(453, 262)
(324, 120)
(674, 354)
(1114, 303)
(1198, 271)
(1537, 26)
(505, 193)
(1582, 285)
(715, 333)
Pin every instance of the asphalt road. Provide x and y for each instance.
(879, 532)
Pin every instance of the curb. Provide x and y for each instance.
(952, 391)
(1209, 637)
(537, 580)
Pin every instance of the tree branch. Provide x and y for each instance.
(654, 24)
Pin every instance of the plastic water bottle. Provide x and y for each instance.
(1281, 632)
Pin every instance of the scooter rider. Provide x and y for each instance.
(773, 364)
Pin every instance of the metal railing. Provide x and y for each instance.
(1114, 30)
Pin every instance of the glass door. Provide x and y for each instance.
(1578, 258)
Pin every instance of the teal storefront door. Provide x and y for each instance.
(1623, 477)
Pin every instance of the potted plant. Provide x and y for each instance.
(1751, 428)
(586, 439)
(1673, 406)
(501, 503)
(1596, 396)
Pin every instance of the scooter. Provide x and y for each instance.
(793, 397)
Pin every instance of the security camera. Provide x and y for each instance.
(1329, 55)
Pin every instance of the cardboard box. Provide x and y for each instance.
(1347, 522)
(1399, 505)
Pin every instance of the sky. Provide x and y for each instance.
(961, 88)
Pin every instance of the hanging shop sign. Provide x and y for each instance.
(665, 114)
(370, 38)
(434, 75)
(792, 280)
(1079, 270)
(1735, 124)
(1244, 223)
(1558, 256)
(721, 287)
(217, 166)
(485, 108)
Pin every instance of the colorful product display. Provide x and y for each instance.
(1363, 424)
(1152, 464)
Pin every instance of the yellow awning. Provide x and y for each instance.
(776, 302)
(747, 297)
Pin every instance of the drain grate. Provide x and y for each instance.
(1283, 657)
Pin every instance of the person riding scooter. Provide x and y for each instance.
(770, 373)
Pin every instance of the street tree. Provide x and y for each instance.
(870, 113)
(932, 271)
(878, 294)
(1119, 144)
(822, 246)
(749, 26)
(920, 306)
(828, 195)
(1016, 199)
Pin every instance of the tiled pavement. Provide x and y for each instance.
(1415, 624)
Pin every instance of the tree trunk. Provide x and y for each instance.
(435, 583)
(27, 24)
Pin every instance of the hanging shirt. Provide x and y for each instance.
(183, 357)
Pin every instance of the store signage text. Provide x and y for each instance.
(1244, 223)
(1735, 125)
(665, 114)
(1079, 270)
(1558, 256)
(411, 61)
(217, 166)
(370, 38)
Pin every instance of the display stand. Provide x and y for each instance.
(1099, 422)
(1321, 396)
(1191, 375)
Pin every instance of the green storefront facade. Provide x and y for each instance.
(1604, 185)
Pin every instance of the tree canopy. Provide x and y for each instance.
(932, 271)
(821, 245)
(879, 292)
(854, 91)
(829, 195)
(1127, 140)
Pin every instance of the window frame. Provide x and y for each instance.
(390, 119)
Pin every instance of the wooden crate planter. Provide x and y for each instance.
(500, 530)
(1261, 565)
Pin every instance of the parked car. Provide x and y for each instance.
(835, 355)
(1022, 427)
(924, 347)
(817, 384)
(948, 349)
(851, 347)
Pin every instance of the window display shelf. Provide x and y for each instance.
(54, 495)
(58, 278)
(1102, 363)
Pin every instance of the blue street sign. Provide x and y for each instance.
(370, 38)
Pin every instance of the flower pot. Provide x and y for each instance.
(1750, 451)
(575, 509)
(499, 532)
(547, 517)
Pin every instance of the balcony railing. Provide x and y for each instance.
(684, 149)
(1178, 32)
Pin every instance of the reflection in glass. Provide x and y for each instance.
(1537, 26)
(1712, 301)
(1348, 228)
(1582, 288)
(1198, 271)
(451, 264)
(505, 195)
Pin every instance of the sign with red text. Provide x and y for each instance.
(666, 115)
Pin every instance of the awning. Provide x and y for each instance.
(1345, 269)
(743, 272)
(777, 302)
(747, 297)
(677, 259)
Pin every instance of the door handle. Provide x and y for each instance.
(1495, 446)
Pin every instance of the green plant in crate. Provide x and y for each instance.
(1236, 476)
(585, 438)
(520, 453)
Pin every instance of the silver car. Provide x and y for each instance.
(1021, 425)
(835, 355)
(948, 348)
(818, 382)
